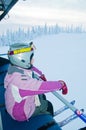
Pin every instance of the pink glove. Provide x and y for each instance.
(64, 87)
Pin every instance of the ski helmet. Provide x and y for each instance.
(20, 54)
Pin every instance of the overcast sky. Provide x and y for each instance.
(35, 12)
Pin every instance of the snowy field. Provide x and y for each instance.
(63, 56)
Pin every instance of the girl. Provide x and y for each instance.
(23, 85)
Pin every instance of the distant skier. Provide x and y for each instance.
(24, 94)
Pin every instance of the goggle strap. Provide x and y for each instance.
(22, 50)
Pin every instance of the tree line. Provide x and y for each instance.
(21, 35)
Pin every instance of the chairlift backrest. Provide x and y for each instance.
(4, 63)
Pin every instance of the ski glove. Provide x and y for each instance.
(64, 87)
(43, 77)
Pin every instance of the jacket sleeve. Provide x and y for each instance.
(47, 86)
(30, 86)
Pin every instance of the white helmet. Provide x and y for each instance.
(20, 54)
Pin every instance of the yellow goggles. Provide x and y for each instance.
(22, 50)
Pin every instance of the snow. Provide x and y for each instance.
(63, 56)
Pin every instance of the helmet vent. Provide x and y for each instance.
(23, 61)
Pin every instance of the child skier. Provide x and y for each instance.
(24, 86)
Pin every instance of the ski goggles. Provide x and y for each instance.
(22, 50)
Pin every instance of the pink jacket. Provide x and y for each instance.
(21, 89)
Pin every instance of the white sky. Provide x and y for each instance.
(35, 12)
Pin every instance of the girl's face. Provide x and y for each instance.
(32, 60)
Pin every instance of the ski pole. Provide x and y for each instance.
(74, 109)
